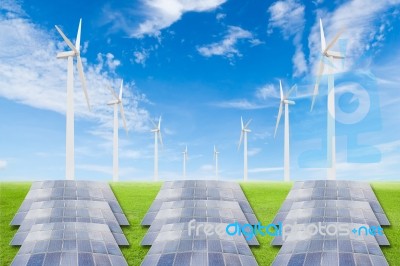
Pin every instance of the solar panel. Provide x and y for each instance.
(327, 211)
(200, 190)
(335, 190)
(316, 250)
(69, 190)
(69, 211)
(42, 247)
(174, 246)
(200, 210)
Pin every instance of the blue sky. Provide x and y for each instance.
(201, 65)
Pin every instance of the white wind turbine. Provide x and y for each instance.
(216, 162)
(243, 136)
(185, 157)
(117, 102)
(157, 136)
(327, 54)
(286, 155)
(75, 52)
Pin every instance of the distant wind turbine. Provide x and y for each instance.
(117, 102)
(157, 136)
(243, 136)
(327, 57)
(185, 157)
(216, 162)
(286, 154)
(75, 52)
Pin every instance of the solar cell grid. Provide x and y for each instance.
(200, 190)
(69, 190)
(200, 210)
(323, 250)
(69, 211)
(174, 246)
(79, 243)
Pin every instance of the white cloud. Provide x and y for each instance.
(158, 15)
(220, 16)
(28, 64)
(288, 16)
(267, 91)
(253, 152)
(362, 21)
(207, 168)
(3, 164)
(242, 104)
(141, 57)
(265, 170)
(227, 46)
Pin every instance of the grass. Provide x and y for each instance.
(136, 197)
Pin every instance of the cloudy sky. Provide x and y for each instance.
(201, 65)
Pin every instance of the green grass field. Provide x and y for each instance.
(135, 198)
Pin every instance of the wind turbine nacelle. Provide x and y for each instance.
(113, 102)
(288, 102)
(65, 54)
(334, 54)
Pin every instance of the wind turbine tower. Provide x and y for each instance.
(69, 55)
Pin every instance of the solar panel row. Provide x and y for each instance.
(69, 223)
(347, 205)
(205, 204)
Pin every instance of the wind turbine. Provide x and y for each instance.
(286, 156)
(157, 136)
(327, 54)
(117, 102)
(185, 157)
(75, 52)
(216, 162)
(243, 136)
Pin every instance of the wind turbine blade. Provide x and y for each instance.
(293, 88)
(78, 37)
(280, 88)
(113, 92)
(159, 123)
(278, 118)
(241, 122)
(120, 90)
(160, 138)
(334, 40)
(83, 81)
(154, 124)
(240, 140)
(69, 43)
(323, 42)
(320, 71)
(248, 123)
(121, 108)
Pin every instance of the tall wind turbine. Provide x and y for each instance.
(286, 155)
(328, 55)
(216, 162)
(117, 102)
(243, 136)
(185, 157)
(157, 136)
(75, 52)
